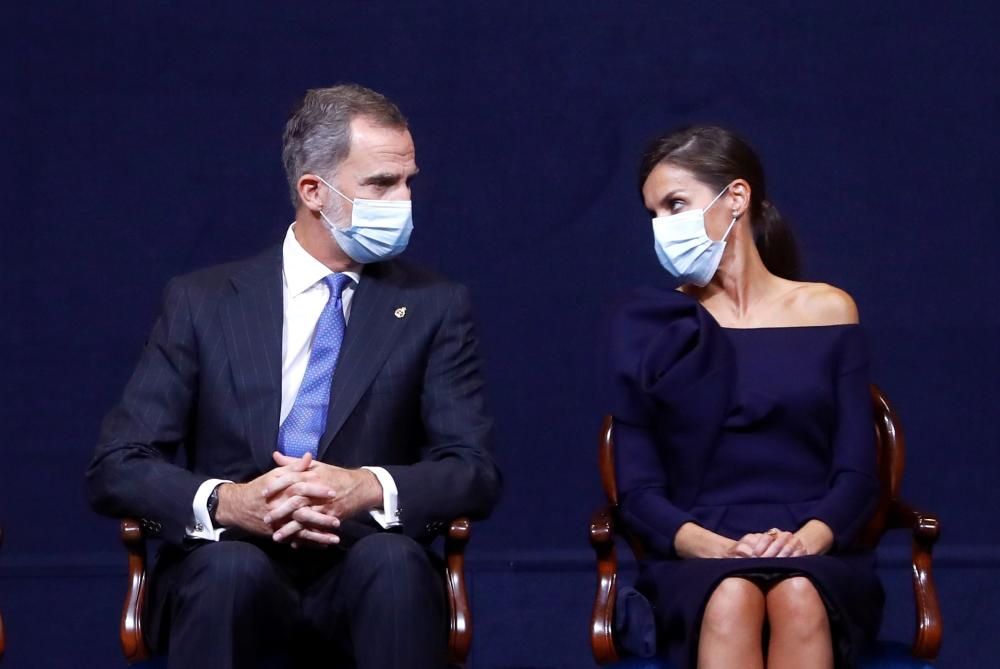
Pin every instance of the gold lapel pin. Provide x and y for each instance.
(400, 312)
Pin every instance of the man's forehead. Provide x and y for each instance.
(367, 135)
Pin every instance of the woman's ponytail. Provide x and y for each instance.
(775, 242)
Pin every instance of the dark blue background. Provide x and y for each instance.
(142, 140)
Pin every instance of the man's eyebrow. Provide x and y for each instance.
(382, 179)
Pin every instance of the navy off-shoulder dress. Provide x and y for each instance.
(742, 430)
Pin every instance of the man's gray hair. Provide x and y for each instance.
(318, 133)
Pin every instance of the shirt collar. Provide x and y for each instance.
(301, 270)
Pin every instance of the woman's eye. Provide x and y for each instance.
(675, 205)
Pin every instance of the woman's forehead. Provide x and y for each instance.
(668, 176)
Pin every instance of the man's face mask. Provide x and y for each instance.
(379, 230)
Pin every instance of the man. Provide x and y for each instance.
(327, 402)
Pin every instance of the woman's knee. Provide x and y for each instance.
(736, 606)
(795, 607)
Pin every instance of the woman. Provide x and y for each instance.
(744, 439)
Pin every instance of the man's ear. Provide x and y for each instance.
(309, 187)
(739, 194)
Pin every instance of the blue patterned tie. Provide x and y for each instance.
(304, 425)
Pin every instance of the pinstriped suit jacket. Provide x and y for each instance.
(406, 395)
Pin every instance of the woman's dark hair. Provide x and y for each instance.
(717, 157)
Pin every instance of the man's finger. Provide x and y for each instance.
(296, 464)
(310, 517)
(287, 532)
(285, 509)
(277, 483)
(320, 538)
(283, 460)
(316, 491)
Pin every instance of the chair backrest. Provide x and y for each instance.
(890, 453)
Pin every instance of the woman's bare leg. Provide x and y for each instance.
(800, 628)
(731, 627)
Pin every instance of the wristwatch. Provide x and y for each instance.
(213, 503)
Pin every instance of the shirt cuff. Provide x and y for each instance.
(201, 526)
(388, 515)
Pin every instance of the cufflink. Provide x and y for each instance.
(198, 527)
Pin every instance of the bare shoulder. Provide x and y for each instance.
(823, 304)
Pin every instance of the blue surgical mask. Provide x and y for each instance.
(380, 229)
(684, 248)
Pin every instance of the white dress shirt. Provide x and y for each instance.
(305, 295)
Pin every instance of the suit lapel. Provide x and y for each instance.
(371, 332)
(252, 322)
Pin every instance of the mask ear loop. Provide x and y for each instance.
(330, 186)
(731, 223)
(714, 199)
(323, 213)
(728, 230)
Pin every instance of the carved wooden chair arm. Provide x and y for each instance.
(130, 631)
(460, 627)
(926, 529)
(602, 538)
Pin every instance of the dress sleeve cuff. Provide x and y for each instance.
(201, 526)
(389, 515)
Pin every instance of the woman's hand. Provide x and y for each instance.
(694, 541)
(816, 536)
(773, 543)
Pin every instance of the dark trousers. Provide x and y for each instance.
(236, 604)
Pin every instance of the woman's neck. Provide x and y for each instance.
(742, 280)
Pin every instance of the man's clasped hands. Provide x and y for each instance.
(300, 502)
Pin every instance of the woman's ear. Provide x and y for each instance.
(739, 195)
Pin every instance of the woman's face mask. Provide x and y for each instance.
(684, 248)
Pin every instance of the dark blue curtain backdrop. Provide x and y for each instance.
(141, 140)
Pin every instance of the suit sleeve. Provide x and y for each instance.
(133, 471)
(456, 475)
(853, 484)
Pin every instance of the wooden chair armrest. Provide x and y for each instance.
(130, 632)
(602, 538)
(460, 628)
(926, 529)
